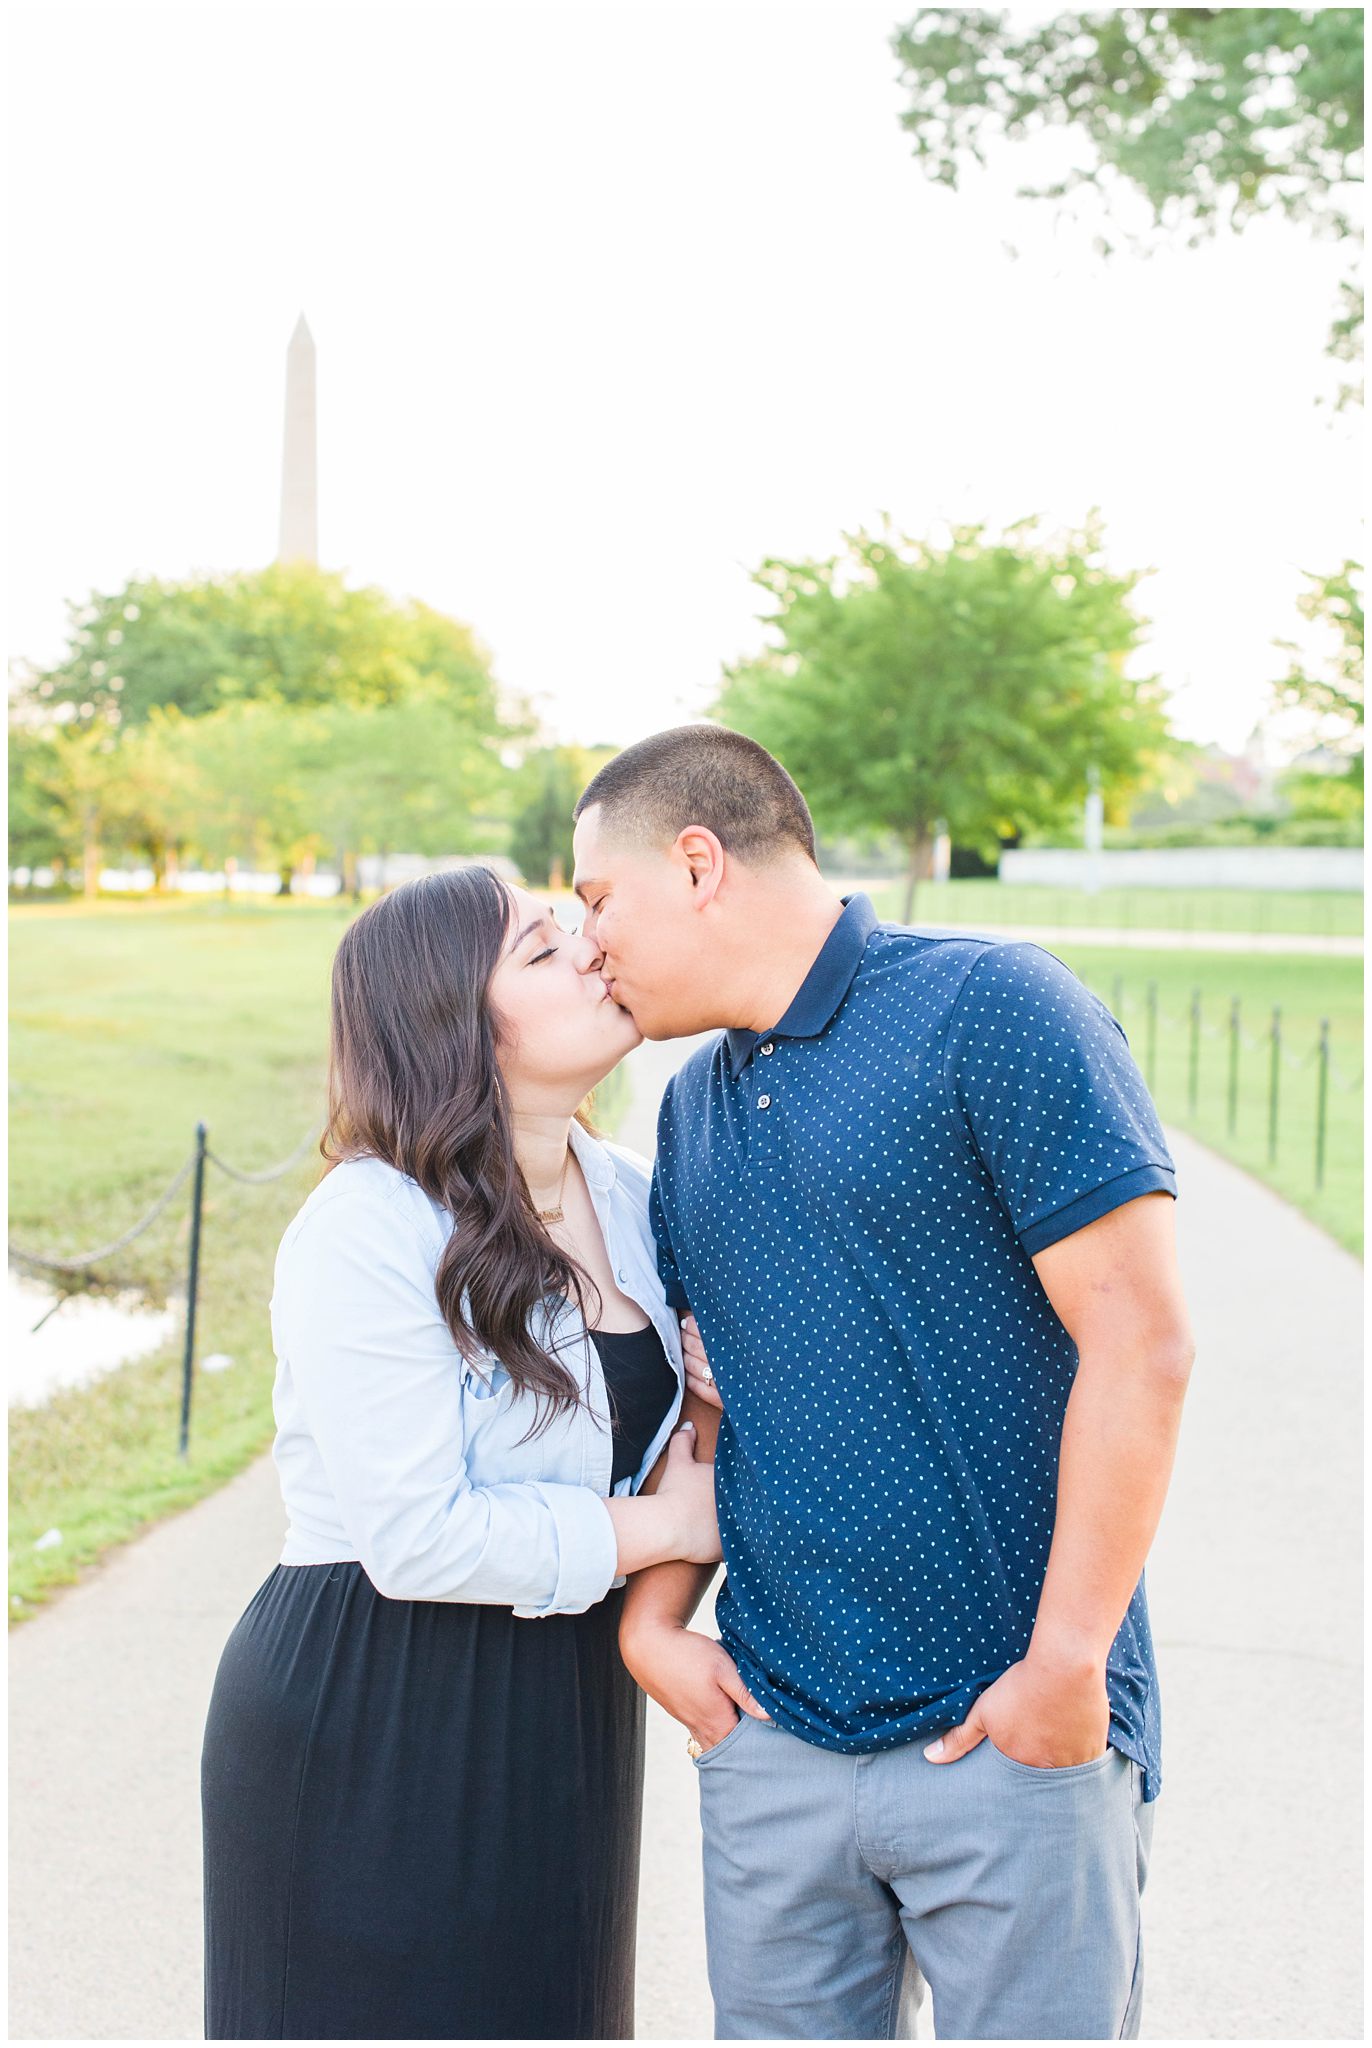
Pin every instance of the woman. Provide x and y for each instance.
(423, 1760)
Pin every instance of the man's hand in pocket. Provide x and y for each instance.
(692, 1676)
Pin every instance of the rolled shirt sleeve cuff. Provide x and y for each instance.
(587, 1549)
(676, 1294)
(1087, 1208)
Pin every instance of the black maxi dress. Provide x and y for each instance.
(421, 1819)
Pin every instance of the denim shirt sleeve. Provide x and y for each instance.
(1055, 1106)
(379, 1378)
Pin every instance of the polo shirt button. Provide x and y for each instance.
(764, 1102)
(769, 1047)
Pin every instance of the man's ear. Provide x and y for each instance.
(698, 848)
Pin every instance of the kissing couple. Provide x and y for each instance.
(892, 1322)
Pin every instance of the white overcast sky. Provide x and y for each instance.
(611, 302)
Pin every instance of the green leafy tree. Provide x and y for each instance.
(1335, 690)
(241, 765)
(291, 635)
(1322, 797)
(38, 833)
(975, 684)
(72, 780)
(282, 786)
(163, 799)
(1329, 692)
(1215, 115)
(265, 718)
(545, 793)
(408, 777)
(86, 793)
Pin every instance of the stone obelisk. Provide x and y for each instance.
(299, 482)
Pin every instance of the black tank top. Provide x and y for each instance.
(642, 1387)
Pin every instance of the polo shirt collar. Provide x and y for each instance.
(817, 999)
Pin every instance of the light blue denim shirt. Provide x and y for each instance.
(395, 1451)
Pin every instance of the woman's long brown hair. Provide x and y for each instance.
(414, 1080)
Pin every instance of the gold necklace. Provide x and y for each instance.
(555, 1215)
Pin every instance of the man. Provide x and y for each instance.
(919, 1204)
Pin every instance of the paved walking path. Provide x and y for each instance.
(1253, 1910)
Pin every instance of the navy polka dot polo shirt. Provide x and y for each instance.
(848, 1203)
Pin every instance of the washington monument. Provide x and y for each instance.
(299, 485)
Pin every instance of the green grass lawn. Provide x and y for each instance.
(1307, 988)
(1325, 913)
(129, 1024)
(132, 1022)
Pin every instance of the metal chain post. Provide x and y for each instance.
(1322, 1102)
(1234, 1037)
(1273, 1086)
(195, 1166)
(192, 1288)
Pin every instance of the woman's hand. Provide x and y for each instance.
(656, 1526)
(699, 1377)
(687, 1492)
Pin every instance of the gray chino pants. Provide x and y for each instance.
(838, 1887)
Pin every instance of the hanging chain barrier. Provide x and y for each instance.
(80, 1261)
(258, 1180)
(192, 1169)
(1271, 1043)
(1347, 1084)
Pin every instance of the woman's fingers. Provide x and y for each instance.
(699, 1378)
(693, 1349)
(704, 1385)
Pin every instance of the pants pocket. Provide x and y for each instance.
(1051, 1773)
(707, 1756)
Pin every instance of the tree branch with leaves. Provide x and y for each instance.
(1216, 116)
(973, 684)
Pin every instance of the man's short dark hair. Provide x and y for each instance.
(703, 775)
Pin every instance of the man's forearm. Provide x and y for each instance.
(1119, 1439)
(670, 1593)
(665, 1595)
